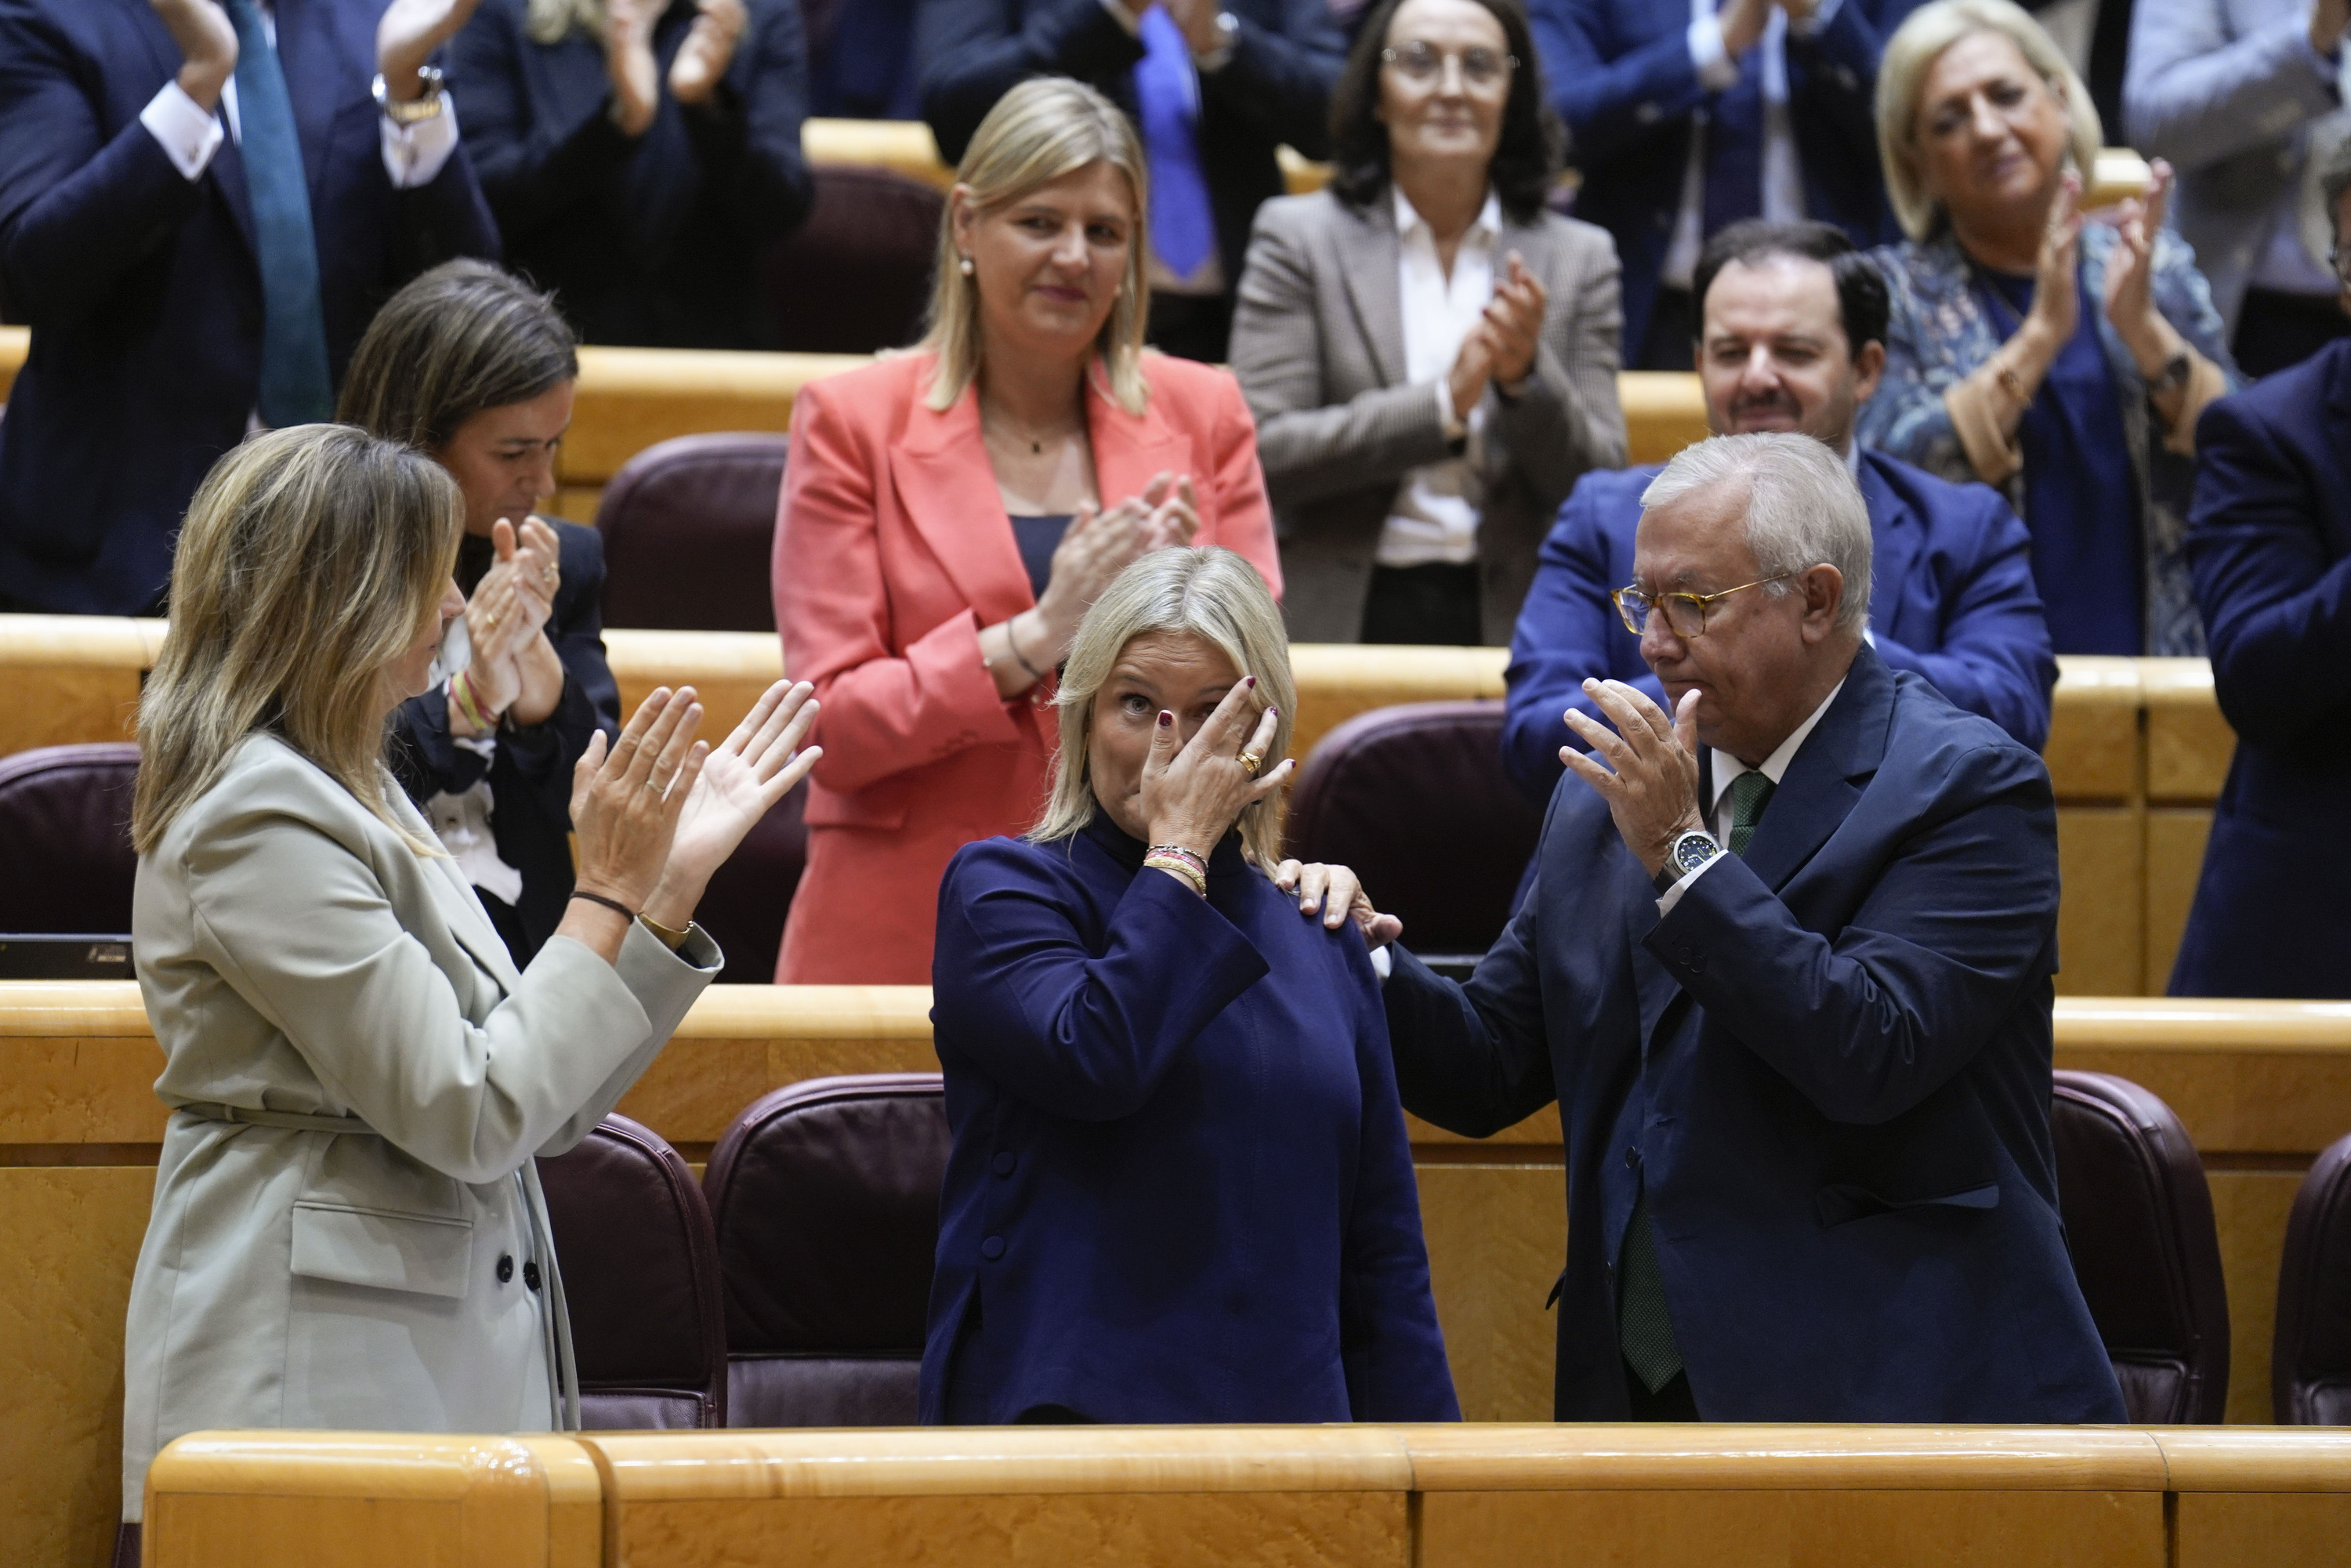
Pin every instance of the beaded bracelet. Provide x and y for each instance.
(1186, 868)
(1199, 865)
(468, 705)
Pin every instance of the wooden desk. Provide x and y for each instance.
(1301, 1497)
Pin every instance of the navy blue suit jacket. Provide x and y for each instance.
(142, 288)
(1950, 596)
(1619, 73)
(530, 772)
(2269, 545)
(1830, 1066)
(1180, 1188)
(1275, 89)
(652, 240)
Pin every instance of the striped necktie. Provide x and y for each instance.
(295, 386)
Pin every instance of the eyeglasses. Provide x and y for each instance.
(1685, 612)
(1481, 68)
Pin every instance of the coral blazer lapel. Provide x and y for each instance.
(1129, 448)
(948, 491)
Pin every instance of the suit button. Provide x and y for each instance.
(992, 1249)
(1004, 1162)
(530, 1276)
(506, 1266)
(1632, 1159)
(1683, 953)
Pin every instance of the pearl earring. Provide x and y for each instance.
(966, 265)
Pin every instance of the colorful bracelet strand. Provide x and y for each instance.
(1181, 863)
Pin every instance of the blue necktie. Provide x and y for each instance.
(1734, 147)
(295, 387)
(1183, 229)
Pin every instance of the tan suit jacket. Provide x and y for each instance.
(297, 957)
(1318, 346)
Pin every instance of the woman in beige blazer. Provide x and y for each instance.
(1431, 355)
(348, 1229)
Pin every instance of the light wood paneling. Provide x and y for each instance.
(727, 670)
(1496, 1235)
(1337, 681)
(2188, 743)
(15, 342)
(2175, 859)
(2093, 729)
(631, 398)
(2257, 1530)
(2249, 1210)
(1665, 411)
(2101, 867)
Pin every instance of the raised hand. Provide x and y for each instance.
(1194, 791)
(2128, 284)
(1174, 518)
(1513, 324)
(702, 61)
(2056, 293)
(625, 806)
(1473, 366)
(1337, 893)
(207, 46)
(1646, 768)
(629, 62)
(406, 36)
(741, 782)
(1096, 548)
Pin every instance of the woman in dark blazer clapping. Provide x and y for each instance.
(1180, 1188)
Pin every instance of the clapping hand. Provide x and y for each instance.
(1513, 325)
(739, 784)
(207, 46)
(1649, 777)
(1337, 893)
(1100, 544)
(709, 48)
(504, 622)
(629, 62)
(625, 805)
(2128, 285)
(409, 31)
(2056, 295)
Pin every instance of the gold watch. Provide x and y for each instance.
(427, 105)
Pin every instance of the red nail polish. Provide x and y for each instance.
(1251, 682)
(1165, 718)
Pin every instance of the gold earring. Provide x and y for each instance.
(965, 265)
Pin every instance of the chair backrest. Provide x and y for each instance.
(826, 1198)
(66, 863)
(2310, 1359)
(689, 526)
(743, 907)
(1415, 798)
(855, 278)
(641, 1278)
(2138, 1223)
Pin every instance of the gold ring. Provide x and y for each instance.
(1251, 762)
(548, 575)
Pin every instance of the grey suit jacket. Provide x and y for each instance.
(1318, 343)
(2223, 89)
(297, 957)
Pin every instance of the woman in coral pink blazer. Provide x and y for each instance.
(948, 515)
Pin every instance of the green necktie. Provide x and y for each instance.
(1749, 793)
(1645, 1325)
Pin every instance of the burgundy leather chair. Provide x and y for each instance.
(2310, 1359)
(2138, 1223)
(641, 1278)
(1415, 798)
(856, 276)
(826, 1198)
(689, 526)
(66, 863)
(743, 907)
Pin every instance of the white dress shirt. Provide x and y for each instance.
(1434, 517)
(413, 154)
(1725, 768)
(1783, 177)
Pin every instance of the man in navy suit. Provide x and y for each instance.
(1686, 118)
(201, 205)
(2268, 543)
(1786, 970)
(1793, 340)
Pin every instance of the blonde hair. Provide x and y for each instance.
(1207, 592)
(1931, 30)
(311, 558)
(549, 21)
(1043, 128)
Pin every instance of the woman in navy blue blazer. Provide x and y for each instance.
(1180, 1189)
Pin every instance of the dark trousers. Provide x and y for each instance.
(1190, 327)
(1674, 1402)
(2275, 330)
(1671, 341)
(1429, 605)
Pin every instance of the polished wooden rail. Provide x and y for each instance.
(1169, 1497)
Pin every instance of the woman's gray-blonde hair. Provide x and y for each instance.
(1043, 128)
(1207, 592)
(311, 558)
(1931, 30)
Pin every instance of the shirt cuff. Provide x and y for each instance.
(1716, 69)
(485, 747)
(1454, 427)
(1123, 17)
(1674, 893)
(188, 136)
(1382, 962)
(415, 154)
(1822, 14)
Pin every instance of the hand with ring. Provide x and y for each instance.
(625, 804)
(1194, 791)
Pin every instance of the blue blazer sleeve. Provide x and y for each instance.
(1995, 657)
(1568, 629)
(1278, 83)
(1613, 91)
(2275, 607)
(1937, 956)
(1473, 1058)
(1389, 1338)
(972, 52)
(1078, 1036)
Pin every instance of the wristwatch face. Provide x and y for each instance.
(1692, 851)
